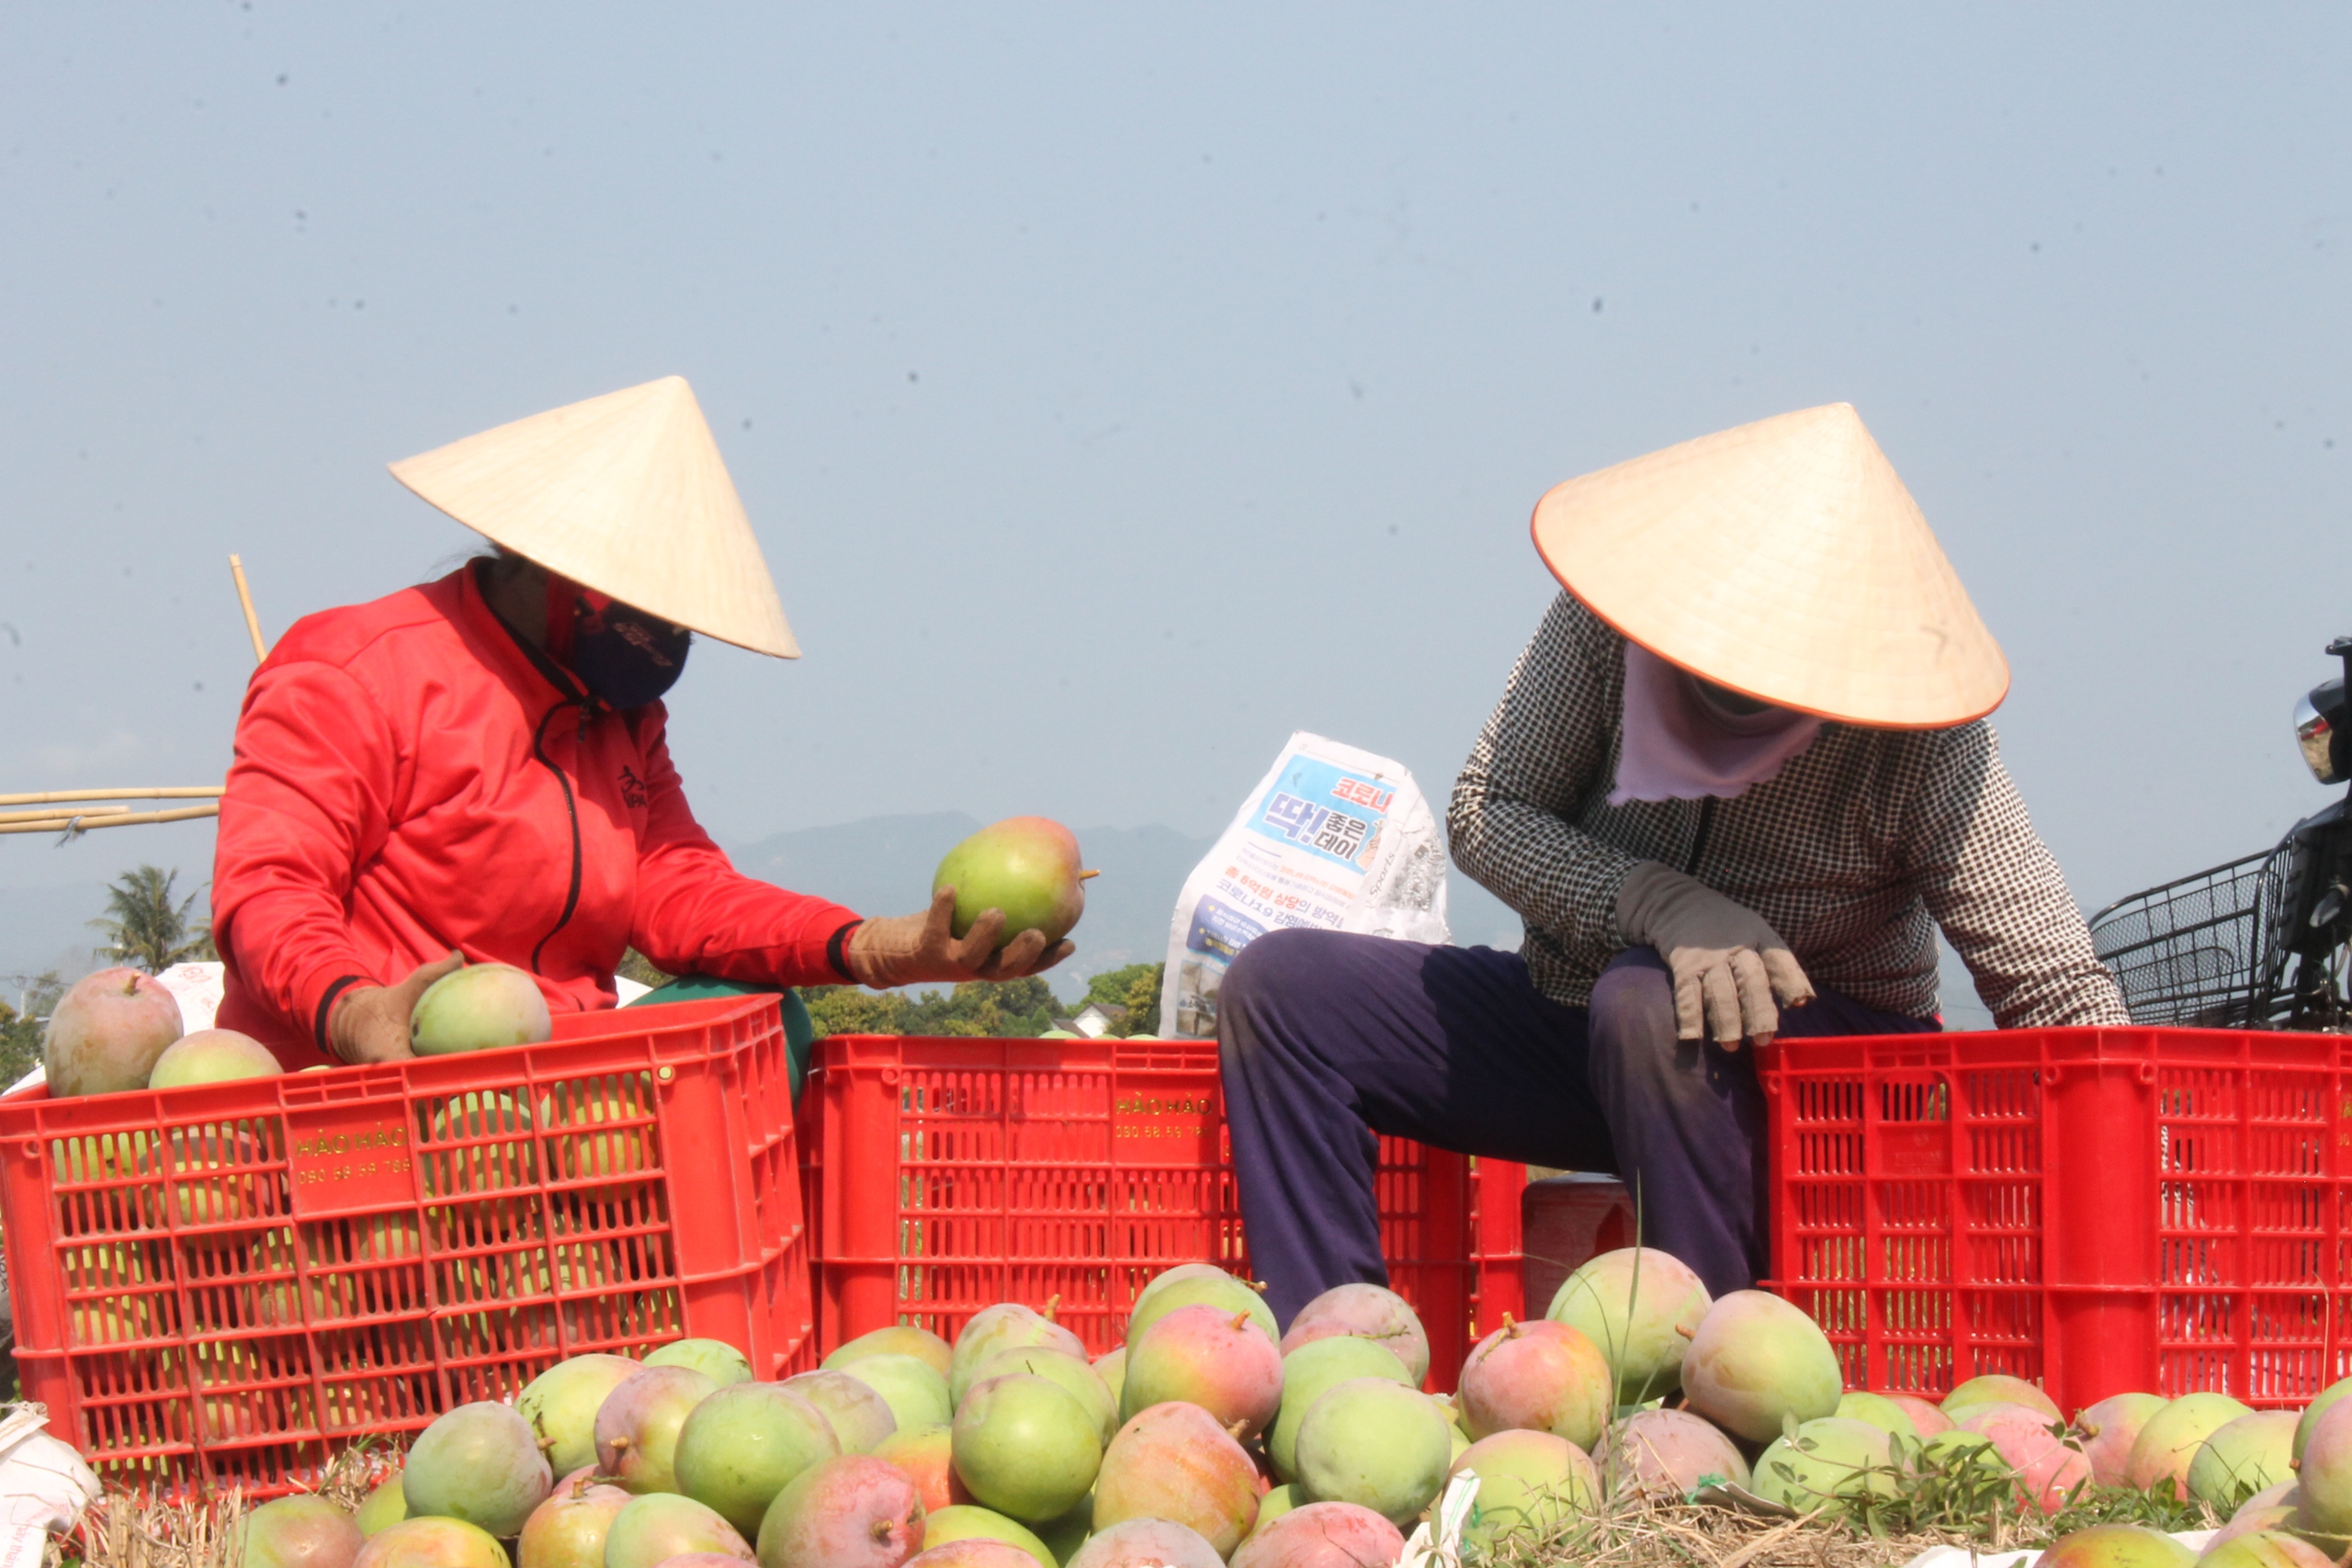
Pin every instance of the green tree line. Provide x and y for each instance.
(147, 926)
(995, 1010)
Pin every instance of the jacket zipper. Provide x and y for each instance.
(1698, 840)
(572, 811)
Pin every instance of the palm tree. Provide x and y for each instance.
(144, 928)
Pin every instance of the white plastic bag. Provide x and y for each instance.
(196, 988)
(1334, 838)
(44, 1485)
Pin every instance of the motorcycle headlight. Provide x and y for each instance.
(2316, 736)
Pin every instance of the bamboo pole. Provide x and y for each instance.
(58, 813)
(48, 797)
(83, 824)
(245, 598)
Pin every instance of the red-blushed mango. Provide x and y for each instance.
(916, 1395)
(105, 1034)
(1310, 1370)
(899, 1339)
(479, 1463)
(2167, 1445)
(1173, 1461)
(973, 1551)
(568, 1530)
(2116, 1546)
(1540, 1377)
(479, 1008)
(2263, 1549)
(2244, 1457)
(854, 1511)
(1025, 866)
(970, 1521)
(861, 1417)
(1323, 1535)
(745, 1443)
(384, 1506)
(435, 1543)
(637, 1425)
(304, 1530)
(714, 1359)
(1881, 1412)
(1206, 1355)
(2324, 1479)
(2271, 1509)
(1640, 1306)
(2108, 1429)
(1977, 1417)
(928, 1456)
(1998, 1388)
(1146, 1543)
(701, 1560)
(1364, 1312)
(561, 1402)
(2049, 1469)
(1927, 1420)
(1528, 1484)
(1077, 1379)
(2317, 1408)
(1827, 1464)
(1370, 1442)
(1667, 1453)
(1757, 1363)
(212, 1056)
(653, 1529)
(1025, 1447)
(1217, 1290)
(1008, 1326)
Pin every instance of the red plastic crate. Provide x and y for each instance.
(2098, 1210)
(215, 1286)
(948, 1174)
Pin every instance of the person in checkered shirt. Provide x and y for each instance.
(1736, 783)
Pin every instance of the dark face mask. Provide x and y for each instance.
(623, 654)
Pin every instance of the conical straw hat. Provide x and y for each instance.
(625, 495)
(1782, 560)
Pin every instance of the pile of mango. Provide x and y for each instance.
(1212, 1437)
(120, 1030)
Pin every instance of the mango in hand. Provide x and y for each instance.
(1026, 866)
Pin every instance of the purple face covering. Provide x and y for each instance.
(1680, 746)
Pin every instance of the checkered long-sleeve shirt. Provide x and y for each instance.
(1867, 841)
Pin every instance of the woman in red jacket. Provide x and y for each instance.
(476, 769)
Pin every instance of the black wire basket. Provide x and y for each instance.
(2201, 951)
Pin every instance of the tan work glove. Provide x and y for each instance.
(369, 1023)
(1728, 965)
(911, 949)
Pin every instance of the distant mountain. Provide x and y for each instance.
(884, 865)
(879, 865)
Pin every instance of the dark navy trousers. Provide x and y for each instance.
(1328, 1038)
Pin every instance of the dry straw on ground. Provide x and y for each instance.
(1668, 1532)
(129, 1531)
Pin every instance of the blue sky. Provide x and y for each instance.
(1116, 388)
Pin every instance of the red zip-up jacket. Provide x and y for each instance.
(410, 778)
